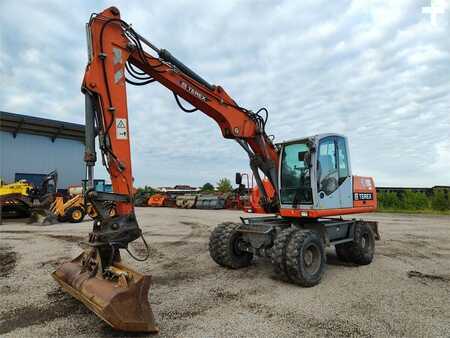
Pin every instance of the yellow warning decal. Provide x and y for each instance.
(121, 129)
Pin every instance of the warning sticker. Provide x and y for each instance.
(121, 129)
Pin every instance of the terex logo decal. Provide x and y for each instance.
(187, 87)
(362, 196)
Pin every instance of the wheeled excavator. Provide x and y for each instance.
(311, 178)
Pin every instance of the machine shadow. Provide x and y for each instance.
(333, 260)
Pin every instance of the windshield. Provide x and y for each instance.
(295, 177)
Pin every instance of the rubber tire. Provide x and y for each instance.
(222, 247)
(279, 252)
(354, 251)
(295, 258)
(68, 214)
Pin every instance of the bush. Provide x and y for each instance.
(439, 202)
(414, 201)
(388, 200)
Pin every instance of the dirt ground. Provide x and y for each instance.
(404, 292)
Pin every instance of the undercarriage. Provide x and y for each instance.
(296, 247)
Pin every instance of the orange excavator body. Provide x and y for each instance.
(254, 205)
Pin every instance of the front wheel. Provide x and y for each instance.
(224, 247)
(305, 258)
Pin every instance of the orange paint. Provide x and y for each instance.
(363, 185)
(317, 213)
(255, 207)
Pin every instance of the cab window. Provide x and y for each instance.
(295, 178)
(327, 168)
(342, 160)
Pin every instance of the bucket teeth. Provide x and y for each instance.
(120, 299)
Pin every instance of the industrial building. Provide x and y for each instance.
(31, 147)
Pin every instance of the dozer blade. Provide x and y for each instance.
(42, 217)
(121, 302)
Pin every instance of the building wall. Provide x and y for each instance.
(38, 154)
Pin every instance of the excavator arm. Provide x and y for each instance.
(117, 57)
(97, 276)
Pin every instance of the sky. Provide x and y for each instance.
(376, 71)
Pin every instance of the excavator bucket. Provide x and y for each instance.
(119, 297)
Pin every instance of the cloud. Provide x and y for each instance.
(376, 71)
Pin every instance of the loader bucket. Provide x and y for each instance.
(122, 303)
(42, 217)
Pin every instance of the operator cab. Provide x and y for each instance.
(315, 173)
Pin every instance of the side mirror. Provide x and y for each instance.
(301, 155)
(307, 159)
(308, 154)
(238, 179)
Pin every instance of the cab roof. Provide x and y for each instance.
(317, 136)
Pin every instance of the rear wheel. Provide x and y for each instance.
(305, 258)
(75, 214)
(224, 247)
(362, 249)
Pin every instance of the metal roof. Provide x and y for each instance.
(17, 123)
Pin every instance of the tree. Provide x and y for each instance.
(146, 189)
(208, 187)
(224, 185)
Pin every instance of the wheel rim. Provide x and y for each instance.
(311, 258)
(366, 243)
(236, 239)
(76, 215)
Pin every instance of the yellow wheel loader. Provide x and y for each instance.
(22, 198)
(72, 211)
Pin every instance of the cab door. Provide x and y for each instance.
(327, 174)
(344, 173)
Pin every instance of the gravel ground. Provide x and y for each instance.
(193, 297)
